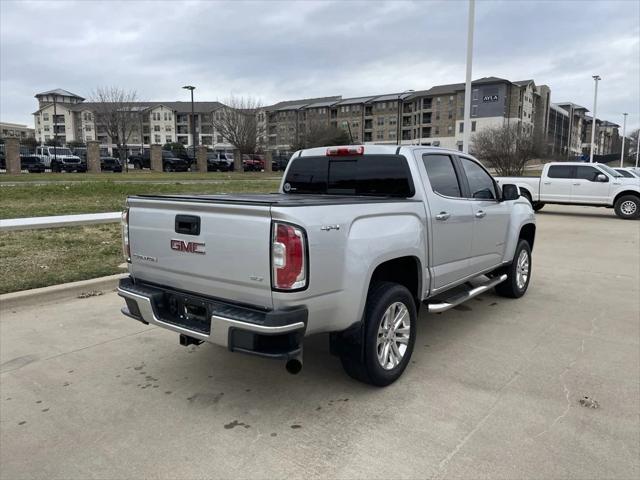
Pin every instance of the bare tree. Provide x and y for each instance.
(506, 148)
(320, 135)
(115, 111)
(237, 122)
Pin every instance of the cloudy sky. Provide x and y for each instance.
(285, 50)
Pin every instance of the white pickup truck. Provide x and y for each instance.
(577, 183)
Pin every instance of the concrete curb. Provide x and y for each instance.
(38, 296)
(55, 221)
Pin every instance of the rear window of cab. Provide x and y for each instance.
(374, 175)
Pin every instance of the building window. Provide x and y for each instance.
(474, 94)
(437, 115)
(156, 128)
(156, 138)
(380, 135)
(46, 128)
(167, 128)
(437, 130)
(45, 117)
(87, 127)
(450, 114)
(380, 121)
(168, 139)
(450, 129)
(461, 127)
(220, 139)
(473, 126)
(450, 99)
(474, 110)
(393, 121)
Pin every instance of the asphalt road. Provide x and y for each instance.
(493, 390)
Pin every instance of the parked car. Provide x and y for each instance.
(32, 163)
(574, 183)
(170, 163)
(628, 172)
(356, 240)
(110, 164)
(60, 159)
(279, 163)
(218, 162)
(253, 162)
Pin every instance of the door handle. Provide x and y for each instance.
(443, 216)
(577, 184)
(547, 183)
(480, 213)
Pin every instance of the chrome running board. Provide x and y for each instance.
(462, 297)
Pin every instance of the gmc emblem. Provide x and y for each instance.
(187, 247)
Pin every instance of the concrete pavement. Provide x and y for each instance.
(493, 390)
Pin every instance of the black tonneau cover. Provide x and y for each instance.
(280, 199)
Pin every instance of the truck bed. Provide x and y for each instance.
(279, 199)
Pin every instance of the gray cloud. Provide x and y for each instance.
(284, 50)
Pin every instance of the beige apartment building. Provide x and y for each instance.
(16, 130)
(68, 117)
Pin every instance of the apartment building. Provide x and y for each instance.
(429, 117)
(558, 131)
(68, 117)
(16, 130)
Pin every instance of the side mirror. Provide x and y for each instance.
(601, 177)
(510, 192)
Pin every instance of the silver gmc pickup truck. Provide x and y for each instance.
(356, 240)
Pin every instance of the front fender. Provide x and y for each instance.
(521, 214)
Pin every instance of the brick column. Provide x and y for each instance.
(12, 155)
(201, 158)
(155, 161)
(268, 159)
(237, 161)
(93, 157)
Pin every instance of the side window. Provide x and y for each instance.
(481, 184)
(587, 173)
(560, 171)
(442, 175)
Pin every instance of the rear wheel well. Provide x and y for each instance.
(402, 270)
(528, 233)
(526, 193)
(626, 192)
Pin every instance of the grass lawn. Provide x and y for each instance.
(59, 198)
(38, 258)
(133, 175)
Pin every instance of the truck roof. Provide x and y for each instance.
(373, 150)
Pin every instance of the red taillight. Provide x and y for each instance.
(345, 151)
(288, 257)
(126, 248)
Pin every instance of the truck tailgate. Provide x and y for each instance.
(229, 258)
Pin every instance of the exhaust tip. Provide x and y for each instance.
(293, 366)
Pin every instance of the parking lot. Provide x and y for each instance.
(494, 388)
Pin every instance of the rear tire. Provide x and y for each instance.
(627, 207)
(537, 206)
(518, 273)
(386, 344)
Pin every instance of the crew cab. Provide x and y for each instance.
(579, 183)
(357, 239)
(170, 162)
(60, 159)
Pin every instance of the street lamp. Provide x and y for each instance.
(55, 131)
(596, 78)
(193, 120)
(398, 128)
(466, 130)
(624, 132)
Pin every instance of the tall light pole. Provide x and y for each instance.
(55, 130)
(466, 130)
(399, 127)
(193, 120)
(596, 78)
(624, 132)
(637, 148)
